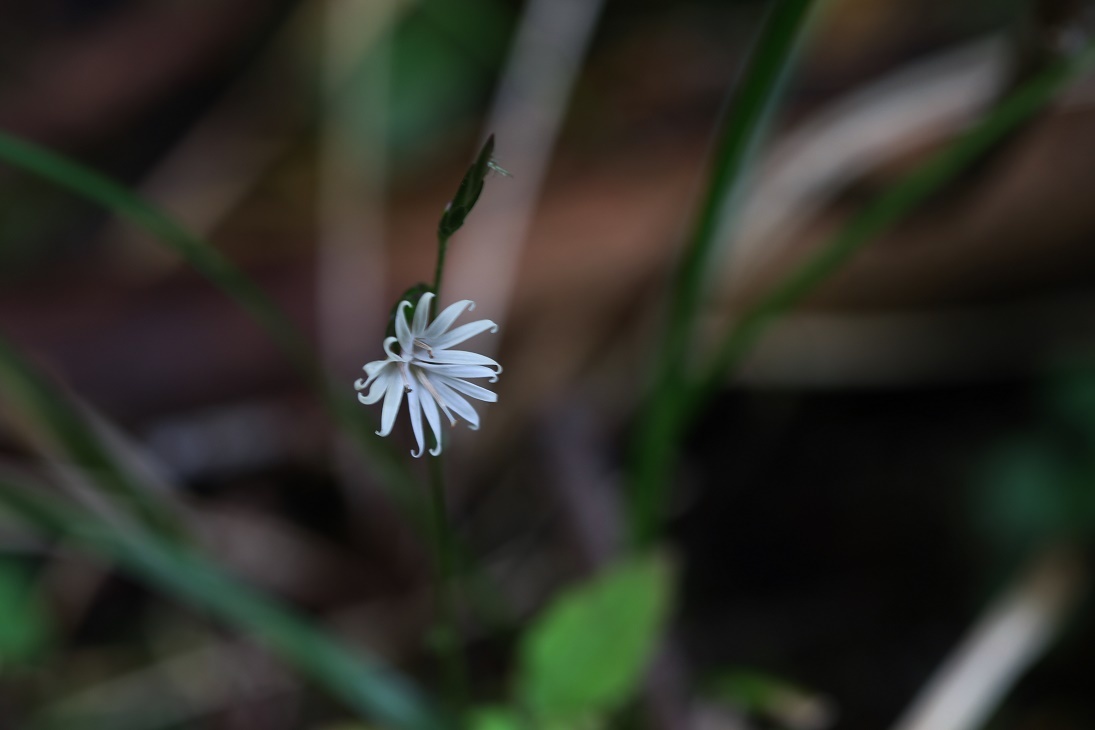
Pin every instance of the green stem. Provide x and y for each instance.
(447, 640)
(741, 134)
(438, 272)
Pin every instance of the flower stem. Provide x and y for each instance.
(447, 634)
(438, 272)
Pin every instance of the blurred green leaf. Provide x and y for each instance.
(885, 211)
(432, 84)
(480, 29)
(26, 628)
(505, 718)
(445, 56)
(1039, 486)
(467, 194)
(338, 398)
(494, 718)
(1070, 396)
(587, 653)
(743, 129)
(29, 397)
(1025, 494)
(374, 691)
(767, 696)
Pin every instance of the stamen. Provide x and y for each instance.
(406, 383)
(424, 346)
(437, 397)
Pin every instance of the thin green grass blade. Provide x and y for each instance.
(34, 401)
(221, 272)
(375, 692)
(743, 130)
(886, 210)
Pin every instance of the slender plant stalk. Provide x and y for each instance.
(438, 272)
(448, 636)
(447, 639)
(743, 130)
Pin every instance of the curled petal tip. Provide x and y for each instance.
(361, 397)
(436, 451)
(359, 384)
(388, 342)
(419, 454)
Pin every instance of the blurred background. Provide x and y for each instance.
(901, 457)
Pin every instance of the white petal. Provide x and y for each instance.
(462, 333)
(463, 357)
(447, 317)
(427, 382)
(421, 315)
(392, 399)
(467, 388)
(380, 386)
(459, 371)
(402, 331)
(372, 369)
(429, 407)
(456, 402)
(388, 342)
(416, 419)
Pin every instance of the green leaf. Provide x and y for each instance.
(505, 718)
(494, 718)
(766, 695)
(881, 214)
(743, 130)
(27, 395)
(206, 259)
(467, 194)
(25, 625)
(376, 692)
(587, 653)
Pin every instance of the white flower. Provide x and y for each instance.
(431, 375)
